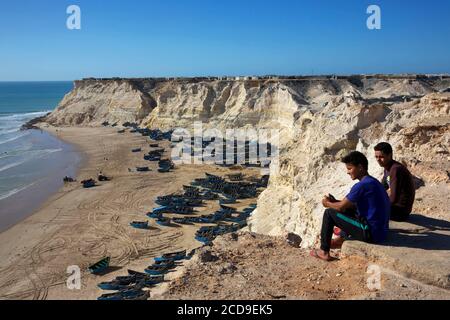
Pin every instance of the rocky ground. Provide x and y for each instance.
(252, 266)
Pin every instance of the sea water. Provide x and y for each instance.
(31, 158)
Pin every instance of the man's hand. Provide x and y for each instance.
(326, 201)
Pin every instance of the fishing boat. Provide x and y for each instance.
(227, 201)
(154, 215)
(156, 270)
(227, 209)
(100, 266)
(88, 183)
(172, 256)
(182, 220)
(139, 224)
(163, 221)
(165, 263)
(164, 169)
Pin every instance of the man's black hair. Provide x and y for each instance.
(384, 147)
(356, 158)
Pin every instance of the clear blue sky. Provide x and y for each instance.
(133, 38)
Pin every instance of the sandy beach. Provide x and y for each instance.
(79, 226)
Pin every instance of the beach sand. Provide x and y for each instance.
(77, 227)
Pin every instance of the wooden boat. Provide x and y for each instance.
(163, 221)
(162, 209)
(182, 220)
(142, 295)
(172, 256)
(100, 266)
(227, 201)
(136, 150)
(111, 297)
(152, 158)
(165, 263)
(205, 238)
(139, 224)
(164, 169)
(88, 183)
(154, 215)
(182, 210)
(156, 270)
(148, 279)
(227, 209)
(112, 285)
(142, 169)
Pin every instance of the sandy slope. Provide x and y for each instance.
(79, 226)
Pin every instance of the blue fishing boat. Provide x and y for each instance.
(139, 224)
(99, 266)
(175, 256)
(156, 270)
(154, 215)
(88, 183)
(162, 221)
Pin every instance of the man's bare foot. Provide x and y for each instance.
(337, 243)
(320, 254)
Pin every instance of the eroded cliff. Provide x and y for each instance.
(319, 121)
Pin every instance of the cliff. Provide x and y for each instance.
(319, 120)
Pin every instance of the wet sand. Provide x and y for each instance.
(46, 172)
(79, 226)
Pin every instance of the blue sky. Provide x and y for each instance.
(139, 38)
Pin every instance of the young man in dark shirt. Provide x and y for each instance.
(364, 212)
(398, 182)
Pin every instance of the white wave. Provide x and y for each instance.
(23, 116)
(14, 138)
(14, 191)
(35, 154)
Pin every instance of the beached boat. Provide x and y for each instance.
(227, 201)
(164, 169)
(142, 169)
(139, 224)
(149, 280)
(172, 256)
(224, 208)
(154, 215)
(90, 183)
(162, 221)
(136, 150)
(182, 220)
(161, 209)
(100, 266)
(165, 263)
(156, 270)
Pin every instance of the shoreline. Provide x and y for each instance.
(26, 202)
(79, 226)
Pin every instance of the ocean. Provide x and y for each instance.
(32, 159)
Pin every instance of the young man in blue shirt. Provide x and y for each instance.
(363, 214)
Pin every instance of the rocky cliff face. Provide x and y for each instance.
(319, 121)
